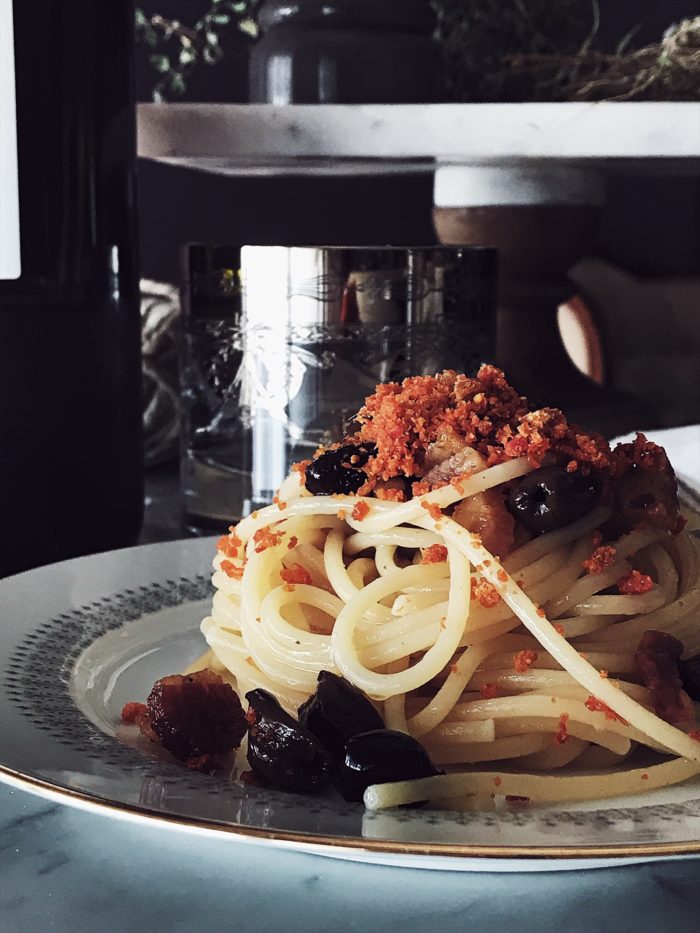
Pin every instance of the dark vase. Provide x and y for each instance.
(71, 447)
(345, 52)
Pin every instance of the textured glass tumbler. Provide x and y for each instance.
(283, 344)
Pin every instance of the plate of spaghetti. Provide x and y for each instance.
(468, 630)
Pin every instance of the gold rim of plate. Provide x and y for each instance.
(304, 840)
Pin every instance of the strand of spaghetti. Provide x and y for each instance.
(556, 756)
(446, 697)
(395, 707)
(383, 515)
(399, 537)
(642, 603)
(553, 540)
(340, 579)
(516, 725)
(384, 685)
(384, 557)
(512, 746)
(557, 646)
(536, 787)
(585, 587)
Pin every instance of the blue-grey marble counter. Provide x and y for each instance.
(67, 871)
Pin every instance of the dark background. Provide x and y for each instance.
(650, 225)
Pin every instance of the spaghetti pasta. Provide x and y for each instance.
(528, 661)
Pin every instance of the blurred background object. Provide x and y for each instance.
(280, 355)
(635, 234)
(344, 52)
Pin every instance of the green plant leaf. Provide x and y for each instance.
(160, 63)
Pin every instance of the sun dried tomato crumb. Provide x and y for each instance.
(502, 576)
(562, 734)
(227, 546)
(265, 537)
(295, 574)
(571, 466)
(435, 554)
(292, 543)
(601, 558)
(635, 583)
(232, 570)
(360, 511)
(278, 502)
(597, 706)
(497, 781)
(541, 613)
(523, 659)
(559, 629)
(301, 466)
(489, 692)
(485, 592)
(433, 510)
(645, 777)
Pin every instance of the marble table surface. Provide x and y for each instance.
(67, 871)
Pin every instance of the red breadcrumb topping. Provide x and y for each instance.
(231, 570)
(230, 543)
(278, 502)
(485, 592)
(601, 558)
(435, 554)
(360, 511)
(559, 629)
(562, 734)
(295, 574)
(489, 692)
(301, 466)
(292, 543)
(484, 412)
(433, 510)
(523, 659)
(497, 781)
(597, 706)
(635, 583)
(265, 538)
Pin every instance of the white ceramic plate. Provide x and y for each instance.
(82, 637)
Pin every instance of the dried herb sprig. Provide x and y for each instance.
(201, 43)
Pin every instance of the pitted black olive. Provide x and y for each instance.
(339, 471)
(551, 498)
(282, 752)
(379, 757)
(690, 675)
(336, 712)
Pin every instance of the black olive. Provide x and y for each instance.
(282, 752)
(338, 471)
(379, 757)
(690, 675)
(336, 712)
(551, 498)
